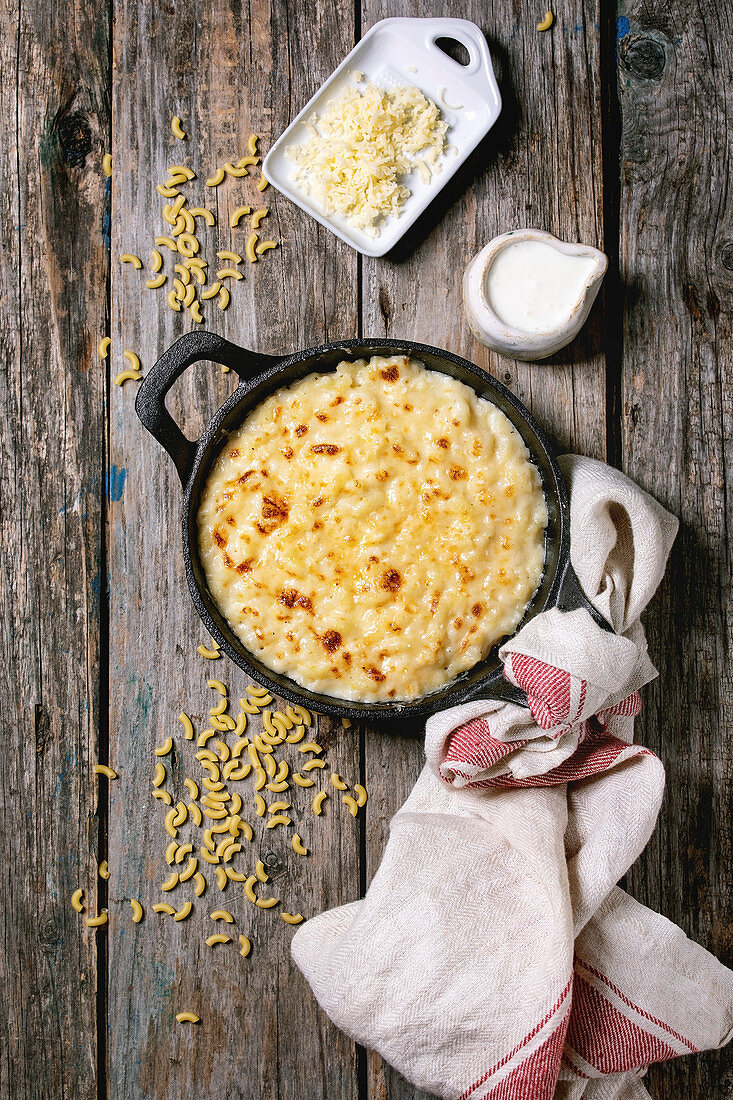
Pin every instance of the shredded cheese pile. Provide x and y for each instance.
(362, 144)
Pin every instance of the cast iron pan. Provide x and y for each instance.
(259, 376)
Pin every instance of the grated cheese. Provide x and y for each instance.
(361, 146)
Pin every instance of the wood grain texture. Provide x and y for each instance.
(53, 277)
(96, 614)
(677, 263)
(541, 166)
(225, 71)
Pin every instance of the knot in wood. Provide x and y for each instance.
(644, 56)
(75, 137)
(726, 255)
(48, 933)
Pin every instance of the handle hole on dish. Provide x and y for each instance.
(194, 397)
(455, 50)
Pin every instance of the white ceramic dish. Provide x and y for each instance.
(517, 343)
(396, 52)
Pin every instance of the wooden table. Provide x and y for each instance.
(613, 132)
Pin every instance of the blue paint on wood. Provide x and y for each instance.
(115, 483)
(622, 27)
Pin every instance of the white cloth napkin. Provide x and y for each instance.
(493, 957)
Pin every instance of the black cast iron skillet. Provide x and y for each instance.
(262, 374)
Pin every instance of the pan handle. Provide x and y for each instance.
(496, 688)
(191, 348)
(570, 597)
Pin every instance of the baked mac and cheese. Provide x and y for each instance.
(371, 533)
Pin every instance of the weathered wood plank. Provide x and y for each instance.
(53, 282)
(676, 261)
(224, 70)
(541, 166)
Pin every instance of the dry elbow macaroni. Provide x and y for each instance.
(224, 842)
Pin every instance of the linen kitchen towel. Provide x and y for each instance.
(493, 956)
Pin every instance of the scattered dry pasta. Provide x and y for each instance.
(303, 781)
(249, 248)
(238, 214)
(202, 212)
(126, 376)
(318, 801)
(222, 914)
(313, 764)
(187, 726)
(258, 692)
(298, 845)
(221, 843)
(267, 903)
(104, 769)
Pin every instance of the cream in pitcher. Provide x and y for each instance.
(527, 294)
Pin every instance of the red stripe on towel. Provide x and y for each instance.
(536, 1077)
(473, 745)
(627, 1001)
(597, 754)
(607, 1039)
(528, 1038)
(547, 688)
